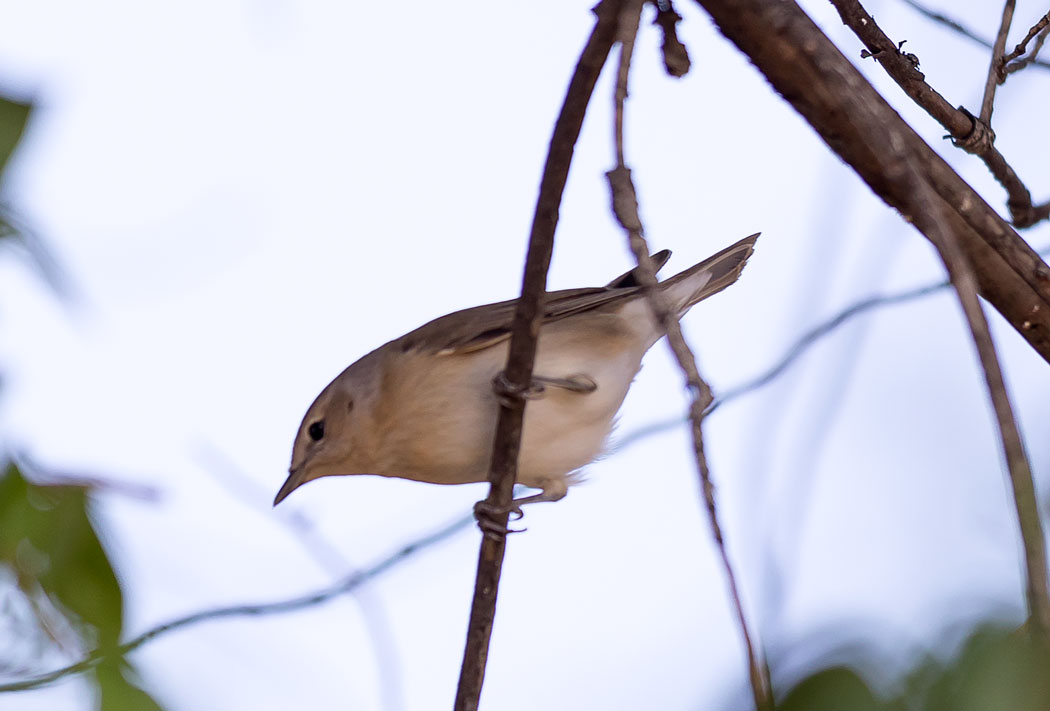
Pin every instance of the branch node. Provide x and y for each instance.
(624, 199)
(980, 139)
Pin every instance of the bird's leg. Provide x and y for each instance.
(575, 383)
(506, 393)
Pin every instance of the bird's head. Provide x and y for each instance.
(330, 438)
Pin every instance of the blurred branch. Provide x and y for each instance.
(625, 207)
(972, 134)
(376, 621)
(516, 380)
(43, 476)
(348, 584)
(970, 34)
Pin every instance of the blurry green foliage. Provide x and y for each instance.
(49, 546)
(996, 669)
(48, 542)
(13, 118)
(833, 689)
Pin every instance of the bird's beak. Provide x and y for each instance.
(290, 484)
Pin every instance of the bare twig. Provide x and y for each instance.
(1040, 28)
(996, 63)
(972, 134)
(348, 584)
(525, 329)
(970, 34)
(625, 207)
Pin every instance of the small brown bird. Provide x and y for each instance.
(422, 406)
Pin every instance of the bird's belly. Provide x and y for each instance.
(445, 434)
(566, 430)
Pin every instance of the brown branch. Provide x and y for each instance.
(1039, 28)
(625, 207)
(525, 330)
(972, 134)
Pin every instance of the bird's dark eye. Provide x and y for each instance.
(316, 430)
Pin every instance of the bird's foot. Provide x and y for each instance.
(490, 517)
(509, 395)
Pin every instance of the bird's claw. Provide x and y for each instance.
(487, 515)
(510, 395)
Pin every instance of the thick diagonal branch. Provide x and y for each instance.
(525, 332)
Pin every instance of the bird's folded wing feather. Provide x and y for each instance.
(485, 326)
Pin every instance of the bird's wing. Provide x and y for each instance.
(485, 326)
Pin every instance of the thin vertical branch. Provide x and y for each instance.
(996, 63)
(517, 377)
(625, 207)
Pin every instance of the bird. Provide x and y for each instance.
(423, 406)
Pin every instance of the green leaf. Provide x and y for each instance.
(118, 689)
(49, 542)
(833, 689)
(997, 668)
(13, 118)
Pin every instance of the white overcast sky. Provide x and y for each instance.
(248, 196)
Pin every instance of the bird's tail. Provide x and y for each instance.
(709, 276)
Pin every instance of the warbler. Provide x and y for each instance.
(423, 406)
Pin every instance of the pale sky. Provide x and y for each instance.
(248, 196)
